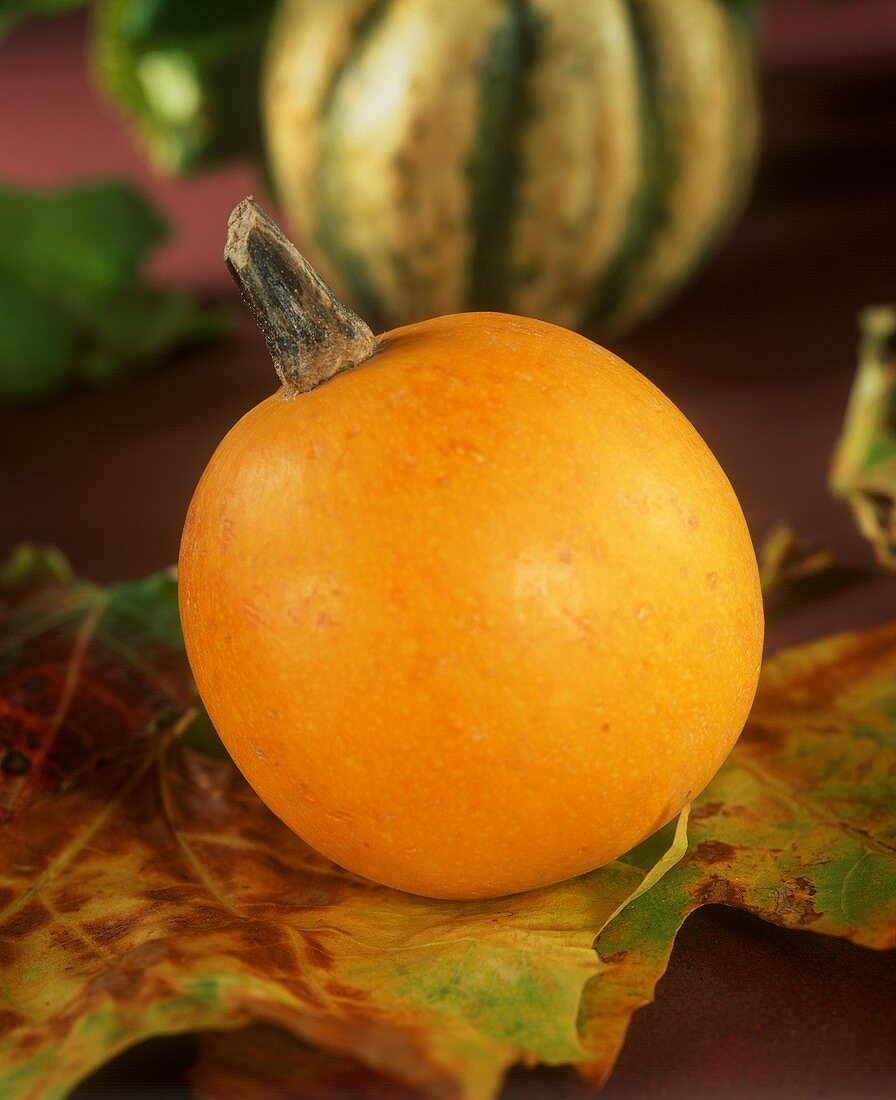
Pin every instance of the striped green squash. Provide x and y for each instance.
(565, 159)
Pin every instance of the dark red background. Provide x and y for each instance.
(759, 352)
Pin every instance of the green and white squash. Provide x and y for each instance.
(565, 159)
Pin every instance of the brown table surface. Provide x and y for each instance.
(759, 352)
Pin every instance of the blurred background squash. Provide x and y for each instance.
(559, 159)
(571, 160)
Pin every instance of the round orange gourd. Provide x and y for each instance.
(476, 615)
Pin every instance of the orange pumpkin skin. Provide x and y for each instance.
(476, 616)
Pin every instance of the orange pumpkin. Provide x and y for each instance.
(475, 612)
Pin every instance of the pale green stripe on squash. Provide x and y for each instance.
(394, 174)
(648, 210)
(729, 144)
(582, 156)
(334, 202)
(699, 58)
(309, 45)
(495, 165)
(745, 22)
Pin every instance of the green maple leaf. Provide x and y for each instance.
(144, 889)
(73, 301)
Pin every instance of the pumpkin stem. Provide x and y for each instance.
(310, 334)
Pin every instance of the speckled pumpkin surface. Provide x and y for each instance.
(477, 615)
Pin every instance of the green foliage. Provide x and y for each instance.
(185, 74)
(73, 302)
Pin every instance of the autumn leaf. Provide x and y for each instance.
(146, 891)
(798, 827)
(863, 471)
